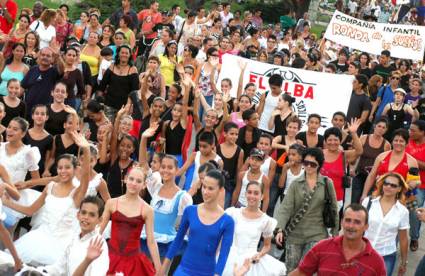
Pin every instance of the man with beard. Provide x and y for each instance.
(349, 254)
(40, 79)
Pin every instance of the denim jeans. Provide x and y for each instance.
(420, 269)
(415, 224)
(209, 100)
(228, 198)
(295, 253)
(390, 261)
(274, 193)
(357, 187)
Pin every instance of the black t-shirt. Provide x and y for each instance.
(358, 104)
(340, 68)
(383, 71)
(303, 137)
(421, 109)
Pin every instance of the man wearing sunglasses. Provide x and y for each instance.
(385, 95)
(349, 254)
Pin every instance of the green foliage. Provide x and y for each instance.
(272, 10)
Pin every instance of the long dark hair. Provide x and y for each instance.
(117, 56)
(16, 45)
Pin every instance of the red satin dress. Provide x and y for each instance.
(125, 255)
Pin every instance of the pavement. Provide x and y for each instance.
(415, 257)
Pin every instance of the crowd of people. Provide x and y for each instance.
(123, 154)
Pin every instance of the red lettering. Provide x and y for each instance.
(285, 87)
(260, 85)
(309, 93)
(298, 90)
(252, 78)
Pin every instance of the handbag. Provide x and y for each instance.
(346, 179)
(329, 213)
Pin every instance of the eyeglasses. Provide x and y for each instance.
(311, 164)
(392, 185)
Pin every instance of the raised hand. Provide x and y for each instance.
(150, 132)
(79, 140)
(354, 125)
(94, 250)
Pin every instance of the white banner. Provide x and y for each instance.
(403, 41)
(315, 92)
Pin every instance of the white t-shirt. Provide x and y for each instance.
(225, 18)
(46, 34)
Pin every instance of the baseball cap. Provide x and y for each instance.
(401, 90)
(257, 153)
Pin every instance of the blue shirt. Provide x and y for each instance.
(387, 96)
(39, 85)
(199, 257)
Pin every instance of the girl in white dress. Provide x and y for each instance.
(44, 245)
(250, 224)
(19, 159)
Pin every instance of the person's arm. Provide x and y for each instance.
(370, 180)
(270, 123)
(176, 244)
(107, 214)
(27, 210)
(36, 182)
(143, 91)
(143, 152)
(404, 245)
(386, 109)
(266, 193)
(104, 157)
(80, 192)
(276, 143)
(260, 108)
(185, 101)
(413, 112)
(50, 160)
(332, 194)
(194, 188)
(282, 178)
(115, 132)
(226, 243)
(242, 66)
(94, 250)
(237, 191)
(150, 238)
(351, 155)
(102, 189)
(374, 108)
(363, 116)
(132, 40)
(240, 160)
(11, 190)
(8, 243)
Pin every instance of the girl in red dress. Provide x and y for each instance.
(129, 213)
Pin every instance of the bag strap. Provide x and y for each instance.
(308, 196)
(327, 195)
(369, 204)
(181, 33)
(344, 167)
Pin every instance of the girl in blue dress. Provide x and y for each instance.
(168, 202)
(208, 225)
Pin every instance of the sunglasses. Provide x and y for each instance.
(187, 49)
(311, 164)
(395, 78)
(392, 185)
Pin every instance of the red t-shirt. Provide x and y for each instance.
(335, 171)
(148, 21)
(12, 9)
(327, 258)
(418, 152)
